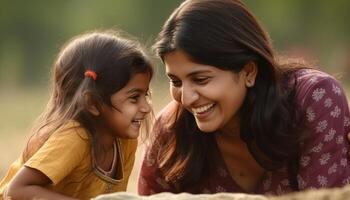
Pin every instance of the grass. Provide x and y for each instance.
(19, 108)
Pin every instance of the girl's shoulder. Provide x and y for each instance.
(73, 130)
(128, 145)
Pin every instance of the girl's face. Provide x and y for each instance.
(131, 106)
(212, 95)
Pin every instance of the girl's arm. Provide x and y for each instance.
(30, 183)
(54, 162)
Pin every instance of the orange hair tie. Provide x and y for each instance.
(90, 73)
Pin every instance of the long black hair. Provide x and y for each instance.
(226, 35)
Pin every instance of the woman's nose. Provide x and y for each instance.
(188, 95)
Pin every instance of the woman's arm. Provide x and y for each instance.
(151, 179)
(30, 183)
(349, 142)
(324, 161)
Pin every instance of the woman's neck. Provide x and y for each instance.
(231, 130)
(240, 163)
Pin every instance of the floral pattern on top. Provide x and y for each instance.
(323, 162)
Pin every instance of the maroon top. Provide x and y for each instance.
(323, 161)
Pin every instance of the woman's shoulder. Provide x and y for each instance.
(169, 110)
(312, 83)
(312, 76)
(166, 117)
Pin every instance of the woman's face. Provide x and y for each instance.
(212, 95)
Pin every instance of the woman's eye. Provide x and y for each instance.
(201, 81)
(175, 83)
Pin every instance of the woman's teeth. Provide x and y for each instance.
(202, 109)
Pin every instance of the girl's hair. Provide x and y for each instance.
(114, 60)
(224, 34)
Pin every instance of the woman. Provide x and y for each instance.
(242, 120)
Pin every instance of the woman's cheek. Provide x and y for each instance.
(175, 93)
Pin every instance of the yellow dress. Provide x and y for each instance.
(67, 159)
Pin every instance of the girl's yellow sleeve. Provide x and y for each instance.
(60, 154)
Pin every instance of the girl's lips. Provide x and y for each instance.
(137, 122)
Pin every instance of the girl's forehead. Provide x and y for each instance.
(138, 81)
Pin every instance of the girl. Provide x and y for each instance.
(85, 141)
(242, 120)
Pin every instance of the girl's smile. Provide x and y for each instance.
(130, 107)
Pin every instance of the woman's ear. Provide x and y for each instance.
(250, 71)
(91, 104)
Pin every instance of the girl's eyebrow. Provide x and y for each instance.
(136, 90)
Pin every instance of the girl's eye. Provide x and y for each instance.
(175, 83)
(135, 98)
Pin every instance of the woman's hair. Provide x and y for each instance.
(226, 35)
(113, 58)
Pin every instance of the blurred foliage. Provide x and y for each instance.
(33, 31)
(316, 29)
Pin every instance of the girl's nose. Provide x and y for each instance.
(146, 106)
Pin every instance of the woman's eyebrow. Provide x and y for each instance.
(199, 72)
(190, 74)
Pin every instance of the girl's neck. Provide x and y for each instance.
(105, 142)
(105, 153)
(104, 138)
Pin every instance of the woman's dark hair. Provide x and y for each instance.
(114, 59)
(224, 34)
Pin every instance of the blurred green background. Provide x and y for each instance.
(32, 32)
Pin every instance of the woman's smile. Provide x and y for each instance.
(212, 95)
(203, 112)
